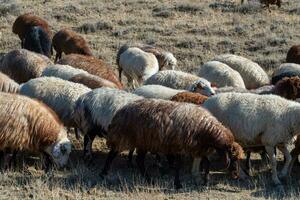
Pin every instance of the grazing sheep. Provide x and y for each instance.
(190, 97)
(95, 110)
(24, 22)
(293, 55)
(172, 129)
(285, 70)
(165, 59)
(156, 91)
(67, 41)
(23, 65)
(26, 124)
(263, 120)
(58, 94)
(92, 81)
(253, 75)
(93, 66)
(37, 40)
(64, 72)
(181, 81)
(137, 65)
(8, 85)
(221, 74)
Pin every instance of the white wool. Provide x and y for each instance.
(137, 64)
(221, 74)
(64, 72)
(181, 81)
(58, 94)
(253, 75)
(157, 92)
(170, 59)
(100, 105)
(287, 67)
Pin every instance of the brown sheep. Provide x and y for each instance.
(172, 129)
(23, 65)
(293, 55)
(8, 85)
(92, 81)
(26, 124)
(288, 87)
(92, 65)
(67, 41)
(190, 97)
(24, 22)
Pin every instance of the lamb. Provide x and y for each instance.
(263, 120)
(293, 55)
(172, 129)
(285, 70)
(24, 22)
(181, 81)
(92, 81)
(67, 41)
(253, 75)
(92, 65)
(165, 59)
(58, 94)
(221, 74)
(26, 124)
(137, 66)
(94, 111)
(23, 65)
(8, 85)
(37, 40)
(156, 91)
(64, 72)
(190, 97)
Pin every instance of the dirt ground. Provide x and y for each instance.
(195, 31)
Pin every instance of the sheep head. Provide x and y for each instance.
(202, 86)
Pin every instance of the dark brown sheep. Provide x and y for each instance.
(190, 97)
(24, 22)
(92, 81)
(288, 87)
(293, 55)
(170, 128)
(93, 66)
(67, 41)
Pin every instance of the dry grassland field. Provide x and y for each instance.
(195, 31)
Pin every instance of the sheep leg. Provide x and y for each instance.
(248, 163)
(57, 56)
(177, 166)
(140, 158)
(195, 170)
(130, 155)
(206, 164)
(47, 163)
(88, 142)
(77, 133)
(288, 159)
(22, 43)
(271, 154)
(120, 74)
(111, 156)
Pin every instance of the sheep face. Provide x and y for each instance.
(203, 86)
(60, 151)
(235, 153)
(171, 61)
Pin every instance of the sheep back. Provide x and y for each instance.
(221, 74)
(190, 97)
(253, 75)
(64, 72)
(92, 65)
(92, 81)
(8, 85)
(58, 94)
(285, 70)
(23, 65)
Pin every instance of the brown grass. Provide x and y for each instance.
(195, 31)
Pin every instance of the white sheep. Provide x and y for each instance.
(253, 75)
(181, 81)
(137, 66)
(221, 74)
(64, 72)
(95, 110)
(259, 120)
(156, 91)
(58, 94)
(8, 85)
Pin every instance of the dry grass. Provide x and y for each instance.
(195, 31)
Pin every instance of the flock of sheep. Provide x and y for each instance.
(230, 106)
